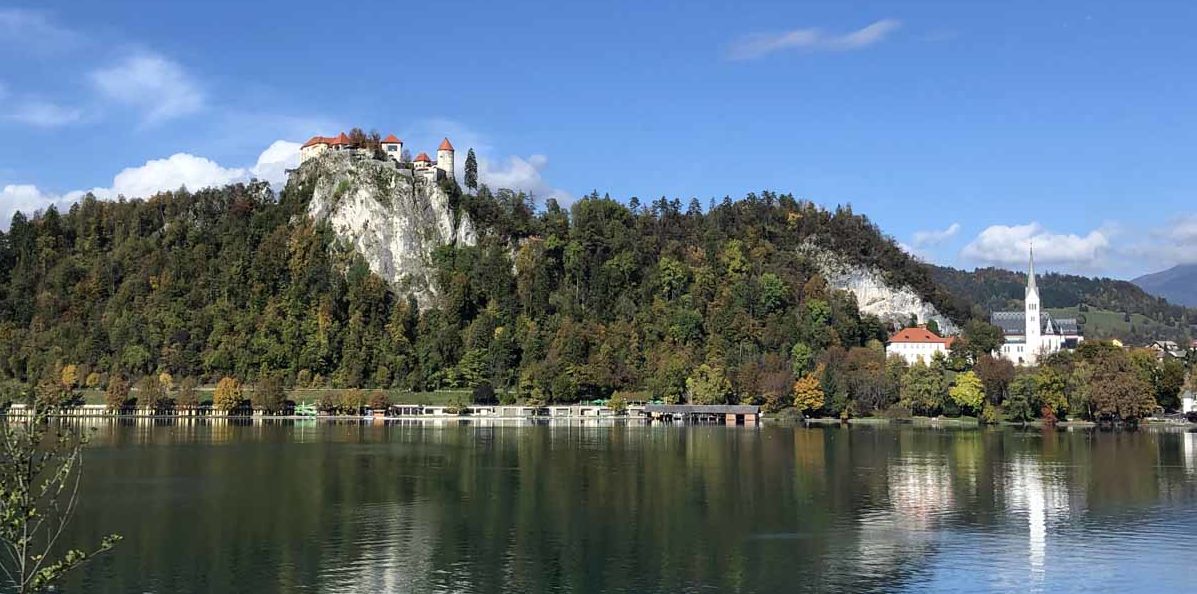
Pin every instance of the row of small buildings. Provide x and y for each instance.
(392, 146)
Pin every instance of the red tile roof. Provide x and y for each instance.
(313, 141)
(390, 139)
(423, 157)
(920, 335)
(445, 145)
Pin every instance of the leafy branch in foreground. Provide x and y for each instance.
(40, 470)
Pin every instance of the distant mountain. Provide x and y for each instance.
(997, 289)
(1177, 284)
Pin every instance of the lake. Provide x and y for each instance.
(306, 506)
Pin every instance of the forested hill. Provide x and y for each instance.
(550, 304)
(998, 289)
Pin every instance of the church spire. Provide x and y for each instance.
(1031, 270)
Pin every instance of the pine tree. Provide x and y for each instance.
(471, 171)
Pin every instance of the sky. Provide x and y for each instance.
(967, 131)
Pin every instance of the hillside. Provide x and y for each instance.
(1177, 284)
(1150, 317)
(552, 304)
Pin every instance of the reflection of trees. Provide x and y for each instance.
(363, 508)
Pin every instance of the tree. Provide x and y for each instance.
(227, 396)
(1019, 404)
(188, 395)
(70, 376)
(484, 393)
(618, 404)
(968, 392)
(471, 170)
(379, 401)
(979, 338)
(40, 474)
(269, 395)
(708, 385)
(808, 393)
(1117, 391)
(150, 392)
(996, 375)
(923, 389)
(116, 396)
(1051, 387)
(802, 358)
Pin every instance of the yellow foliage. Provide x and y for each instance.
(70, 376)
(808, 393)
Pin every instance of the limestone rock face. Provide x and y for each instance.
(393, 219)
(874, 296)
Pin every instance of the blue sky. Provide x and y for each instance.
(964, 131)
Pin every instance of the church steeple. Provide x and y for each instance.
(1031, 271)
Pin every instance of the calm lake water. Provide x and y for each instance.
(324, 507)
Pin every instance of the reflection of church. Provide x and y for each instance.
(1032, 333)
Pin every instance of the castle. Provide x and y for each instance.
(422, 165)
(1033, 333)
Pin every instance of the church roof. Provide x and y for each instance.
(1014, 323)
(922, 335)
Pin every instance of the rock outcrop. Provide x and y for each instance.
(874, 295)
(393, 219)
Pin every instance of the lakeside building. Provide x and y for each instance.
(1033, 333)
(917, 344)
(441, 168)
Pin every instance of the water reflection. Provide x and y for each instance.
(611, 506)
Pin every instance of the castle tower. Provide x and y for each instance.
(1034, 339)
(392, 146)
(444, 158)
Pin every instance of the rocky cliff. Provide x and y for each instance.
(394, 220)
(873, 295)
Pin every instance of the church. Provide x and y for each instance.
(1032, 333)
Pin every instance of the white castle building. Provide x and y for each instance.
(392, 146)
(1033, 333)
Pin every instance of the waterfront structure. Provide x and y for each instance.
(392, 146)
(915, 345)
(730, 414)
(1033, 333)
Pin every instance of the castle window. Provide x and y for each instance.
(392, 148)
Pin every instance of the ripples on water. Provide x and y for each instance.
(314, 507)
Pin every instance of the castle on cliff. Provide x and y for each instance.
(392, 146)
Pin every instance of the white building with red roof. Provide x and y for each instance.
(917, 344)
(392, 146)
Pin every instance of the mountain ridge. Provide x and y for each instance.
(1177, 284)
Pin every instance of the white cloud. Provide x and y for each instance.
(518, 173)
(1008, 245)
(152, 83)
(759, 45)
(155, 176)
(274, 162)
(44, 114)
(935, 236)
(33, 32)
(26, 198)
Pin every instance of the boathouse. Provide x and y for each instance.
(731, 414)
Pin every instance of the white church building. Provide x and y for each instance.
(1033, 333)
